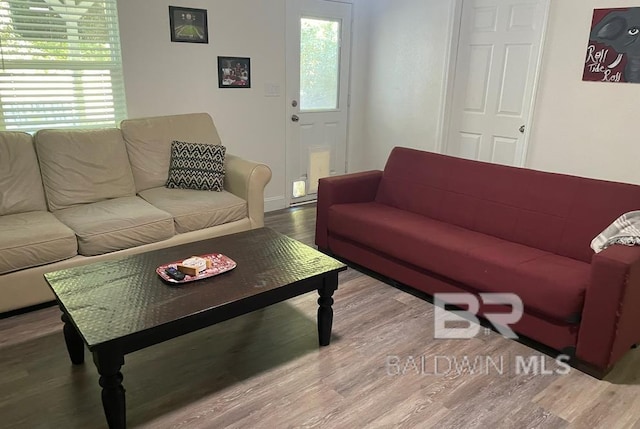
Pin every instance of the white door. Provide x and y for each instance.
(318, 53)
(497, 65)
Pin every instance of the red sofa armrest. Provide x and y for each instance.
(611, 316)
(347, 188)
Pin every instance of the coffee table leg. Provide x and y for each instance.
(325, 312)
(113, 399)
(75, 346)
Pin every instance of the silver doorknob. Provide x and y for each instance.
(522, 129)
(295, 118)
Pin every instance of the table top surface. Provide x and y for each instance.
(110, 300)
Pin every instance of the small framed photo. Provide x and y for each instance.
(234, 72)
(188, 25)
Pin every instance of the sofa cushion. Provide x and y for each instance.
(116, 224)
(193, 210)
(149, 143)
(83, 166)
(20, 181)
(34, 238)
(196, 166)
(551, 286)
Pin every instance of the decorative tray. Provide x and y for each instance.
(219, 264)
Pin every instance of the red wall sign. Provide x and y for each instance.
(613, 54)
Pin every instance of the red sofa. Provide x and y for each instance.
(443, 224)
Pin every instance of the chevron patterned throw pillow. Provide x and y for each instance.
(196, 166)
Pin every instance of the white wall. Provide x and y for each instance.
(584, 128)
(359, 87)
(399, 53)
(162, 77)
(398, 89)
(399, 62)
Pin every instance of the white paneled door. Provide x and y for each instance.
(496, 69)
(318, 53)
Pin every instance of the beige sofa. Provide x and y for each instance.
(70, 197)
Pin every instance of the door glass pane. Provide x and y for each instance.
(319, 64)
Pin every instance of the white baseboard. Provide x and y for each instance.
(274, 203)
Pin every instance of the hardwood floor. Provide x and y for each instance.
(265, 370)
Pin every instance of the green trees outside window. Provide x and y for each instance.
(319, 64)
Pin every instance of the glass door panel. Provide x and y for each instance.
(319, 64)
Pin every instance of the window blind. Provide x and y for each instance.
(60, 65)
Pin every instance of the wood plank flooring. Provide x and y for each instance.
(265, 370)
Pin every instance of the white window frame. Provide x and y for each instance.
(60, 65)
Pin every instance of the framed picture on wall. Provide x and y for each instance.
(612, 54)
(234, 72)
(188, 25)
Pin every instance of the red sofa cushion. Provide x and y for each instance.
(549, 285)
(557, 213)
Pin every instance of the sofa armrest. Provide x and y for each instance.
(347, 188)
(247, 180)
(611, 316)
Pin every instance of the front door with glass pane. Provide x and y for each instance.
(318, 52)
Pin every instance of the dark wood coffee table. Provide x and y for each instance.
(121, 306)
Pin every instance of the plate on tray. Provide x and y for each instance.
(219, 264)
